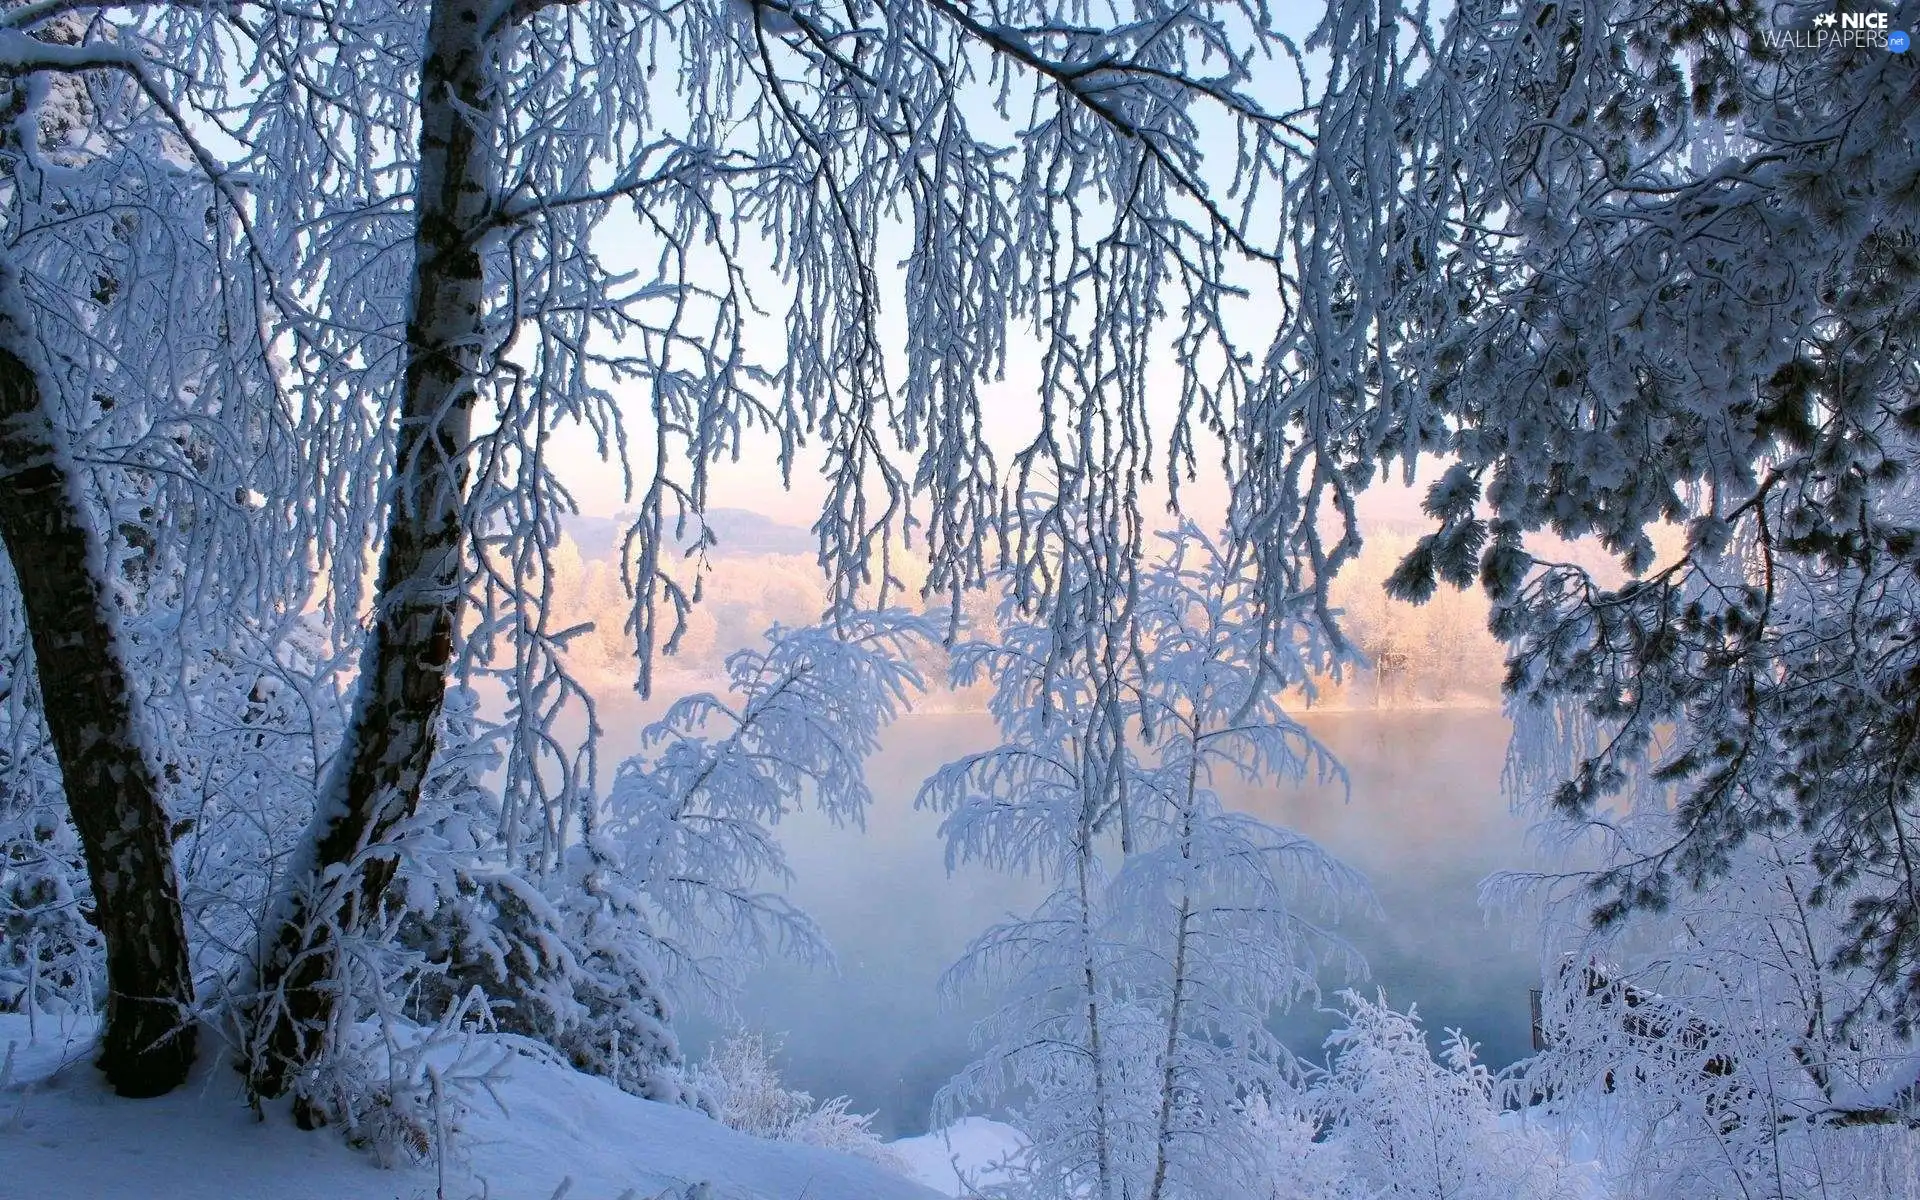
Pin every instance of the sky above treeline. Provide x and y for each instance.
(753, 483)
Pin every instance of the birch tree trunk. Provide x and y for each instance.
(111, 788)
(376, 778)
(1102, 1134)
(1163, 1130)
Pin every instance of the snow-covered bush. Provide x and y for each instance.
(747, 1094)
(659, 898)
(1296, 1163)
(398, 1089)
(51, 958)
(1409, 1126)
(1723, 1048)
(597, 1002)
(560, 958)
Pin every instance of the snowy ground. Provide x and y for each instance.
(973, 1147)
(64, 1135)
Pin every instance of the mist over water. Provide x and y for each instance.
(1425, 822)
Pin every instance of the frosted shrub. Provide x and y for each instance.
(50, 958)
(1296, 1165)
(397, 1090)
(1723, 1048)
(748, 1096)
(1409, 1125)
(663, 895)
(597, 1002)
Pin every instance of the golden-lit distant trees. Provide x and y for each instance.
(1425, 655)
(1437, 653)
(740, 597)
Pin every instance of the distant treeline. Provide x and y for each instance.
(1438, 654)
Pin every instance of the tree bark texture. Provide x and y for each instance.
(111, 788)
(376, 778)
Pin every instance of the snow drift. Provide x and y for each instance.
(548, 1131)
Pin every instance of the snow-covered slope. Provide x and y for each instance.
(64, 1135)
(971, 1151)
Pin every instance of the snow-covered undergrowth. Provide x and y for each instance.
(546, 1131)
(745, 1088)
(1386, 1117)
(1399, 1121)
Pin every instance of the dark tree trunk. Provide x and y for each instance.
(376, 779)
(111, 788)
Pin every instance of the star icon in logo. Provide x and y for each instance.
(1825, 20)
